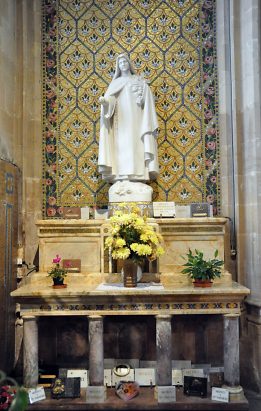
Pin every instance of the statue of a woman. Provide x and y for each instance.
(128, 147)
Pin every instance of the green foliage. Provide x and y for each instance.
(20, 401)
(57, 272)
(198, 268)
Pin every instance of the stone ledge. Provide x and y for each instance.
(144, 401)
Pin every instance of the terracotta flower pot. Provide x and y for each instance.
(202, 283)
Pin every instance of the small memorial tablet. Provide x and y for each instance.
(127, 390)
(177, 377)
(166, 394)
(164, 209)
(216, 379)
(95, 395)
(36, 394)
(181, 364)
(220, 394)
(101, 213)
(204, 367)
(193, 372)
(201, 366)
(85, 213)
(118, 378)
(196, 386)
(63, 372)
(182, 211)
(109, 362)
(72, 387)
(145, 376)
(71, 213)
(107, 378)
(148, 364)
(82, 374)
(72, 265)
(200, 210)
(66, 388)
(132, 362)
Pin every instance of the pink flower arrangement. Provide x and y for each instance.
(57, 259)
(57, 271)
(7, 394)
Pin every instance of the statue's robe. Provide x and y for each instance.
(127, 146)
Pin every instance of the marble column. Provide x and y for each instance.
(231, 350)
(96, 365)
(163, 346)
(30, 351)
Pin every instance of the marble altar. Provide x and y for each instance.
(173, 295)
(84, 239)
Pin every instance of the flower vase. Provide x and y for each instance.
(130, 269)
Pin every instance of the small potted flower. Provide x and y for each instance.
(57, 273)
(133, 240)
(202, 271)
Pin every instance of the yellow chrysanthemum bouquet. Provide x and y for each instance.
(132, 237)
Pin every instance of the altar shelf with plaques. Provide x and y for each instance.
(164, 292)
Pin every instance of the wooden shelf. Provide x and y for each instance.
(144, 401)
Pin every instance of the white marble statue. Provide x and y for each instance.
(128, 147)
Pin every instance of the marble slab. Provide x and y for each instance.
(120, 286)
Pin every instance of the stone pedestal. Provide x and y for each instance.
(96, 363)
(163, 346)
(129, 191)
(30, 351)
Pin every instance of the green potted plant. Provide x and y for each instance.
(200, 270)
(58, 273)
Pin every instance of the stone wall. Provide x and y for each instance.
(10, 179)
(20, 107)
(249, 187)
(239, 40)
(31, 123)
(8, 81)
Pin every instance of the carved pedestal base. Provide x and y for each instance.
(129, 191)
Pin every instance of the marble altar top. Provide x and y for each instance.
(96, 298)
(120, 287)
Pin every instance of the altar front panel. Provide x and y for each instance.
(84, 240)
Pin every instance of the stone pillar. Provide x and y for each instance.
(30, 351)
(239, 67)
(163, 346)
(231, 350)
(96, 367)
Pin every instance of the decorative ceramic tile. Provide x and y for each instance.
(172, 44)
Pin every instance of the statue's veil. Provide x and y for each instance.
(117, 69)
